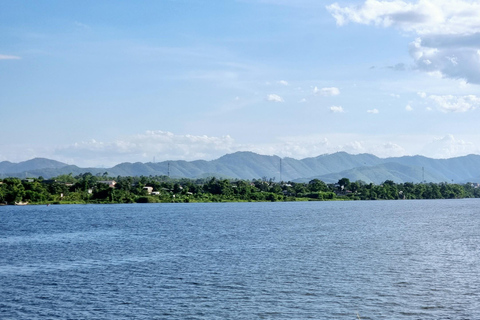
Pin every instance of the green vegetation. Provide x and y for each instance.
(87, 188)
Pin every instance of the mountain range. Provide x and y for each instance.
(248, 165)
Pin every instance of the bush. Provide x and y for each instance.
(146, 199)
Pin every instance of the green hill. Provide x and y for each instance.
(249, 165)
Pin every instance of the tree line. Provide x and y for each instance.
(87, 188)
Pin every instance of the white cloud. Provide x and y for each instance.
(422, 17)
(336, 109)
(168, 146)
(448, 147)
(332, 91)
(8, 57)
(82, 25)
(453, 60)
(456, 104)
(408, 107)
(143, 147)
(450, 103)
(453, 57)
(354, 147)
(383, 150)
(449, 31)
(297, 147)
(388, 149)
(283, 83)
(373, 111)
(303, 100)
(274, 98)
(422, 94)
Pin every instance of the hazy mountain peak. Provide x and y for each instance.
(250, 165)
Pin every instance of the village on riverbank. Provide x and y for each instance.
(87, 188)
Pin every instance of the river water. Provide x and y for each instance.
(307, 260)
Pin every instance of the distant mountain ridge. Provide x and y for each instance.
(30, 165)
(248, 165)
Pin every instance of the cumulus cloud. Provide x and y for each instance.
(274, 98)
(422, 17)
(448, 147)
(8, 57)
(452, 56)
(332, 91)
(354, 147)
(450, 103)
(296, 147)
(422, 94)
(336, 109)
(389, 149)
(408, 107)
(382, 150)
(283, 82)
(164, 146)
(143, 147)
(373, 111)
(448, 30)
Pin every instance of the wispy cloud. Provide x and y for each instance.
(332, 91)
(398, 67)
(8, 57)
(373, 111)
(82, 25)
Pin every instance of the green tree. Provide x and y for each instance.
(317, 185)
(14, 190)
(344, 184)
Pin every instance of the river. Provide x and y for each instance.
(416, 259)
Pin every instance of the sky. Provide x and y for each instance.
(97, 83)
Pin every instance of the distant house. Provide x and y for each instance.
(111, 183)
(149, 189)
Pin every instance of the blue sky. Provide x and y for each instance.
(96, 83)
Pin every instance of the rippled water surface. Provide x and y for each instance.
(310, 260)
